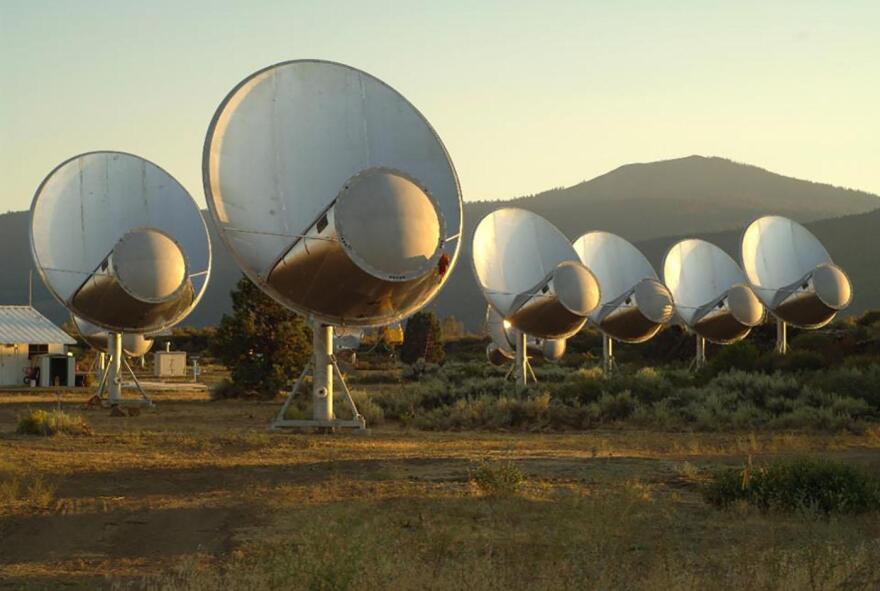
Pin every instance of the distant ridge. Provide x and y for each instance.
(650, 204)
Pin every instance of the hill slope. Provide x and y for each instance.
(646, 203)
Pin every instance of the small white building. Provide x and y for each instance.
(25, 334)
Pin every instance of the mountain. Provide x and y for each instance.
(643, 202)
(852, 241)
(650, 204)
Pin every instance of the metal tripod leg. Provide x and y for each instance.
(137, 384)
(354, 411)
(103, 381)
(293, 391)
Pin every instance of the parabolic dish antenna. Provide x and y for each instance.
(502, 348)
(530, 274)
(333, 193)
(121, 244)
(792, 273)
(634, 304)
(104, 341)
(337, 198)
(133, 344)
(712, 296)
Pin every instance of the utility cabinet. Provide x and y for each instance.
(169, 364)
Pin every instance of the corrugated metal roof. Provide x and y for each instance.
(23, 324)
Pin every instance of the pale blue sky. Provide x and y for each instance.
(526, 95)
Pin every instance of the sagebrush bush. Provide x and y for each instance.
(498, 478)
(473, 396)
(52, 422)
(380, 376)
(812, 485)
(372, 412)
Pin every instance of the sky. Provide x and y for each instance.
(526, 96)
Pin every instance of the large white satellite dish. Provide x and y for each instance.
(336, 197)
(712, 296)
(503, 339)
(133, 344)
(793, 274)
(102, 341)
(530, 274)
(121, 244)
(634, 304)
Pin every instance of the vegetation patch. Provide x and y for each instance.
(53, 422)
(814, 486)
(497, 478)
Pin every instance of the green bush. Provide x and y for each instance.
(742, 355)
(488, 412)
(497, 479)
(53, 422)
(813, 485)
(372, 412)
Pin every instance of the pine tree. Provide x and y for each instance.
(421, 340)
(264, 345)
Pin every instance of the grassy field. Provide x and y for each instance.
(196, 494)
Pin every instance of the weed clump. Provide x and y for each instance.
(814, 486)
(497, 479)
(53, 422)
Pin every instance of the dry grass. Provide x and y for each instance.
(197, 495)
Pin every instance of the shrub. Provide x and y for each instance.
(372, 412)
(813, 485)
(584, 385)
(497, 479)
(380, 376)
(264, 345)
(742, 355)
(613, 407)
(419, 369)
(488, 412)
(52, 422)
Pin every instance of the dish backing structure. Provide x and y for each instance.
(531, 276)
(793, 275)
(122, 245)
(337, 198)
(712, 297)
(634, 304)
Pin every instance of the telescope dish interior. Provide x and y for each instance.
(513, 251)
(776, 252)
(119, 241)
(332, 192)
(698, 272)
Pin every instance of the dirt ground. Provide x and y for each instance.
(194, 481)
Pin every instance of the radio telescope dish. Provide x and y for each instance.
(122, 245)
(634, 304)
(530, 274)
(711, 294)
(333, 193)
(792, 273)
(133, 344)
(119, 242)
(337, 198)
(502, 348)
